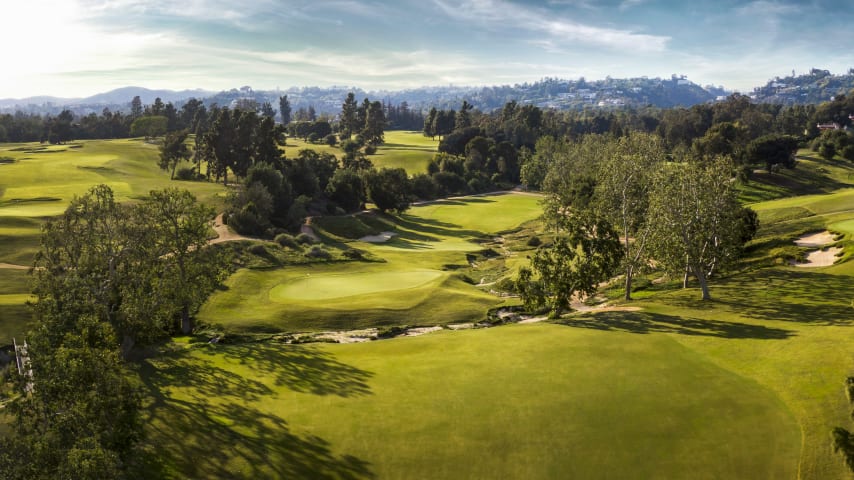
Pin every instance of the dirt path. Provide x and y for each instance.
(12, 266)
(223, 234)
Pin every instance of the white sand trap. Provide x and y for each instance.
(381, 238)
(819, 239)
(414, 332)
(821, 258)
(818, 258)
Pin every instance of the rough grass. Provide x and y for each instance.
(535, 401)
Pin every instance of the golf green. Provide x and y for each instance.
(333, 286)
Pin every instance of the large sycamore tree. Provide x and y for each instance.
(696, 224)
(622, 193)
(584, 253)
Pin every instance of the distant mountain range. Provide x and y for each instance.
(815, 87)
(120, 96)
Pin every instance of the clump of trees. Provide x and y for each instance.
(107, 277)
(679, 210)
(368, 120)
(835, 142)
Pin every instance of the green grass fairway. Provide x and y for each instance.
(335, 286)
(41, 183)
(527, 402)
(14, 313)
(411, 151)
(414, 285)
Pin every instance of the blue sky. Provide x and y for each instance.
(82, 47)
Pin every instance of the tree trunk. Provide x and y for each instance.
(127, 345)
(186, 322)
(174, 166)
(629, 271)
(704, 286)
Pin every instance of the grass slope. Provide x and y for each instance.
(535, 401)
(41, 183)
(416, 279)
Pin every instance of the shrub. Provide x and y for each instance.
(318, 252)
(353, 254)
(258, 249)
(287, 240)
(330, 140)
(534, 241)
(305, 239)
(370, 150)
(186, 173)
(390, 332)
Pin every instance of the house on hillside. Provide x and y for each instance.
(828, 126)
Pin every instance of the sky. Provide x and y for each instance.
(76, 48)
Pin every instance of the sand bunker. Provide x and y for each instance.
(821, 258)
(824, 257)
(819, 239)
(381, 238)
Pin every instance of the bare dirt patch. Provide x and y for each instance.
(224, 234)
(11, 266)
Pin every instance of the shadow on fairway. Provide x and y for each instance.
(646, 322)
(203, 424)
(800, 296)
(425, 229)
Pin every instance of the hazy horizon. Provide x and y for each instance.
(80, 48)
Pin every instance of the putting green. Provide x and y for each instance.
(328, 287)
(843, 227)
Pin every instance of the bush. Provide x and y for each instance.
(187, 173)
(305, 239)
(390, 332)
(312, 138)
(370, 150)
(353, 254)
(318, 252)
(330, 140)
(534, 241)
(287, 240)
(258, 249)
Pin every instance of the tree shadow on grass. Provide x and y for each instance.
(301, 368)
(646, 322)
(210, 427)
(800, 296)
(429, 230)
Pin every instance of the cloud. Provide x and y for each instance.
(627, 4)
(765, 8)
(498, 14)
